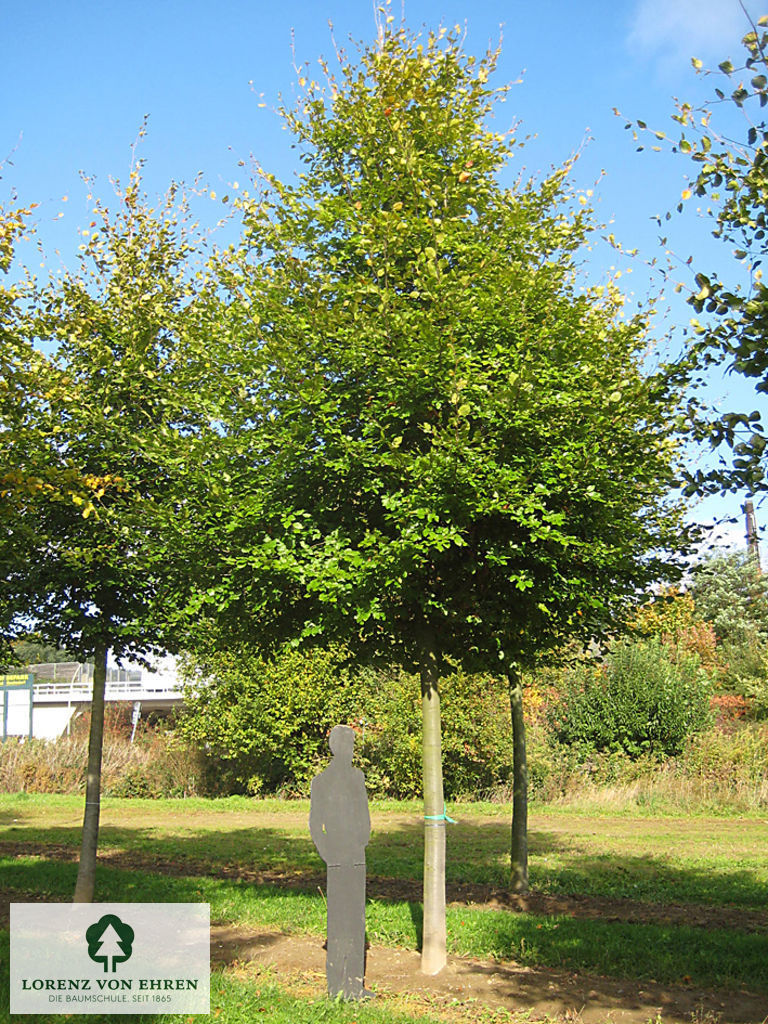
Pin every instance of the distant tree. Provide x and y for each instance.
(31, 652)
(673, 618)
(457, 455)
(732, 596)
(730, 593)
(112, 423)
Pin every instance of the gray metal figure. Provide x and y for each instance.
(340, 826)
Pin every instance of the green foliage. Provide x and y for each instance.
(268, 720)
(733, 176)
(31, 652)
(740, 754)
(451, 446)
(640, 702)
(476, 734)
(95, 458)
(731, 594)
(18, 368)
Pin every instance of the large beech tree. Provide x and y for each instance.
(97, 453)
(454, 453)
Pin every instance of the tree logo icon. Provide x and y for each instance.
(109, 939)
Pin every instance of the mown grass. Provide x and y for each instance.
(664, 860)
(664, 953)
(661, 860)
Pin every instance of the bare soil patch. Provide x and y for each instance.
(466, 989)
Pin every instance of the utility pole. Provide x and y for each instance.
(753, 548)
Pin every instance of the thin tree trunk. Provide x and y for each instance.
(433, 956)
(519, 847)
(86, 872)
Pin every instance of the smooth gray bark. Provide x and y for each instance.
(86, 872)
(433, 949)
(519, 846)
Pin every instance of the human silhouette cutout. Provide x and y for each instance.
(340, 826)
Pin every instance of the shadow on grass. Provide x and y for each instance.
(652, 879)
(477, 854)
(416, 911)
(665, 952)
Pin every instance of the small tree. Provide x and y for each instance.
(114, 421)
(18, 370)
(456, 455)
(673, 619)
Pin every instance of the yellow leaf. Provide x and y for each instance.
(687, 193)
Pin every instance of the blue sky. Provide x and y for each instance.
(78, 78)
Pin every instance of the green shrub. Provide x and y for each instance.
(476, 735)
(640, 702)
(741, 753)
(267, 721)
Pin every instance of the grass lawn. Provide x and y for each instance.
(718, 862)
(663, 859)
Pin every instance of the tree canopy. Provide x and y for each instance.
(452, 437)
(101, 438)
(105, 426)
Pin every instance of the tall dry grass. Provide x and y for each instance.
(157, 769)
(157, 764)
(721, 770)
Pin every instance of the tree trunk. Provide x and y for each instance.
(519, 848)
(433, 944)
(86, 872)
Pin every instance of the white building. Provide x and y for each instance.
(63, 690)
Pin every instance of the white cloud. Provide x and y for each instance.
(676, 30)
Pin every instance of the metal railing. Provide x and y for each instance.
(69, 682)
